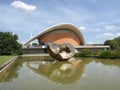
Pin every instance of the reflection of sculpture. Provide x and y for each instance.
(60, 52)
(60, 72)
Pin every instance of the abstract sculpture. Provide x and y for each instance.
(60, 52)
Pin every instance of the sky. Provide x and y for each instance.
(98, 20)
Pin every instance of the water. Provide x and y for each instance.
(40, 73)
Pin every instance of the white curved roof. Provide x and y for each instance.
(65, 26)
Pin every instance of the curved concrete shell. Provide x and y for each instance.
(60, 34)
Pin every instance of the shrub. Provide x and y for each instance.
(97, 53)
(105, 54)
(86, 53)
(115, 53)
(77, 55)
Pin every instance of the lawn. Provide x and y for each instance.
(4, 59)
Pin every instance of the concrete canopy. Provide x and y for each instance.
(60, 34)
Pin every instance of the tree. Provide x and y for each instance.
(114, 43)
(86, 53)
(9, 44)
(34, 44)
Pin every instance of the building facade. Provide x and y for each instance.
(60, 34)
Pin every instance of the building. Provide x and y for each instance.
(57, 34)
(60, 34)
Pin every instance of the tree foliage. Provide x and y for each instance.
(84, 53)
(113, 53)
(105, 54)
(9, 44)
(114, 43)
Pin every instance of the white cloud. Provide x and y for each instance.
(97, 30)
(110, 27)
(82, 28)
(23, 6)
(102, 23)
(97, 36)
(117, 34)
(50, 21)
(105, 36)
(108, 34)
(90, 43)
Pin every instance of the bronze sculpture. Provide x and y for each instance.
(60, 52)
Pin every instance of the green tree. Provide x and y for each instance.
(114, 43)
(86, 53)
(105, 54)
(34, 44)
(9, 44)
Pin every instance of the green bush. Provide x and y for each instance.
(99, 53)
(115, 53)
(105, 54)
(86, 53)
(77, 55)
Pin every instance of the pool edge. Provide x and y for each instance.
(8, 63)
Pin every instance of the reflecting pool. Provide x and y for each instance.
(44, 73)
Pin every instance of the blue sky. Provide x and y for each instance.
(98, 20)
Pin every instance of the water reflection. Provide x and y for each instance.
(60, 72)
(108, 62)
(11, 72)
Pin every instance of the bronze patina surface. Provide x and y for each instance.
(60, 52)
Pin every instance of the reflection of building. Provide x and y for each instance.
(58, 34)
(59, 72)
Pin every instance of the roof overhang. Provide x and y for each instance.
(65, 26)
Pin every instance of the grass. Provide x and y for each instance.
(4, 59)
